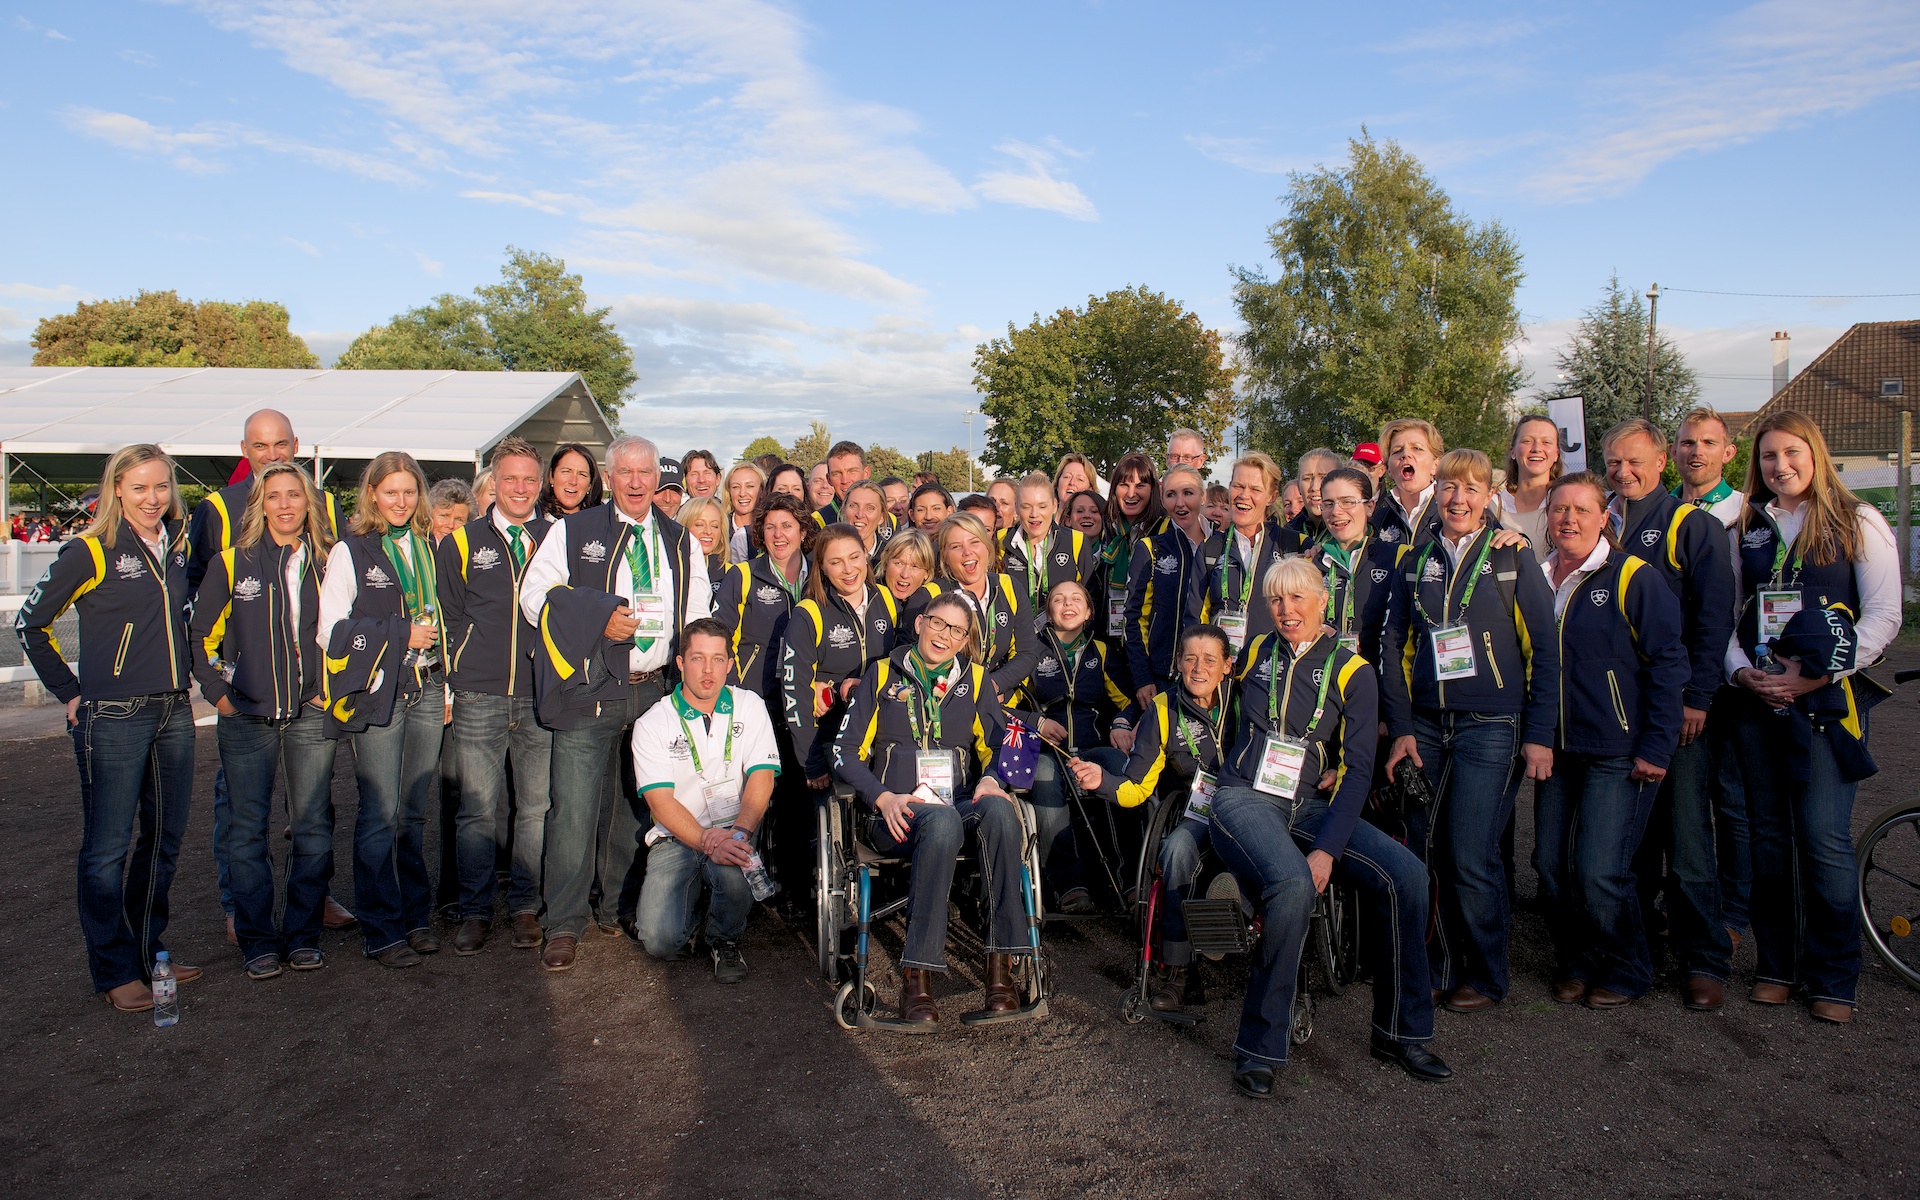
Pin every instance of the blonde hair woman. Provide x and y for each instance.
(378, 598)
(906, 563)
(258, 662)
(128, 712)
(1805, 543)
(970, 568)
(1235, 558)
(705, 518)
(741, 489)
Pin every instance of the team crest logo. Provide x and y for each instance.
(376, 578)
(1379, 574)
(767, 594)
(1599, 597)
(179, 560)
(1000, 619)
(1060, 560)
(1390, 534)
(485, 558)
(840, 638)
(880, 625)
(959, 691)
(1167, 565)
(129, 567)
(1319, 673)
(594, 552)
(677, 750)
(247, 589)
(1434, 572)
(360, 642)
(1486, 568)
(1048, 667)
(1756, 537)
(1649, 537)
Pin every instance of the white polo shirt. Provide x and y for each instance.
(704, 760)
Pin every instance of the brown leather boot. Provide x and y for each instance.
(916, 996)
(1001, 994)
(1169, 992)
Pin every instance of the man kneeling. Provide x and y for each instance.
(706, 761)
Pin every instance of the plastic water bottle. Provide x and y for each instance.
(166, 993)
(757, 878)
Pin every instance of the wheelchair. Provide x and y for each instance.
(857, 887)
(1220, 922)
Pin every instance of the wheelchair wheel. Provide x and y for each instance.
(1132, 1007)
(847, 1010)
(833, 901)
(1329, 927)
(1148, 866)
(1889, 864)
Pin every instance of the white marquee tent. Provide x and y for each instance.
(59, 424)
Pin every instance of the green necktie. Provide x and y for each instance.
(641, 565)
(514, 534)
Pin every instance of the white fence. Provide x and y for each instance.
(13, 666)
(23, 563)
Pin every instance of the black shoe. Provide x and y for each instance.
(629, 925)
(1415, 1059)
(728, 965)
(397, 955)
(1255, 1080)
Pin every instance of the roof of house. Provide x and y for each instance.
(1842, 390)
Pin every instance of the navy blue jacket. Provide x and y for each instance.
(133, 618)
(1687, 546)
(1162, 591)
(753, 602)
(242, 615)
(490, 642)
(1623, 663)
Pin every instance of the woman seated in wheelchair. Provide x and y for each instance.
(1176, 754)
(1286, 821)
(1070, 699)
(919, 738)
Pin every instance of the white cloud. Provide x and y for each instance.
(542, 204)
(307, 248)
(57, 36)
(62, 294)
(1037, 186)
(1464, 35)
(198, 149)
(1247, 153)
(139, 58)
(1772, 66)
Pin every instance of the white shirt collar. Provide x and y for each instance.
(503, 523)
(1594, 561)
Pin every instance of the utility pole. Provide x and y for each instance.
(1653, 319)
(1903, 500)
(971, 414)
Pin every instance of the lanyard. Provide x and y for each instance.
(693, 748)
(984, 610)
(1780, 560)
(1274, 683)
(1466, 597)
(1248, 570)
(791, 589)
(924, 677)
(1037, 567)
(1345, 560)
(1185, 726)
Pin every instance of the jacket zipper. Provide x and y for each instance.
(454, 664)
(1486, 639)
(120, 659)
(1619, 706)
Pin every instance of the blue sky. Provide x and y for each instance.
(801, 212)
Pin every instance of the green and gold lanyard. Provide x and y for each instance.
(1037, 568)
(723, 707)
(924, 676)
(1274, 681)
(1346, 560)
(1185, 726)
(417, 585)
(1466, 597)
(1248, 569)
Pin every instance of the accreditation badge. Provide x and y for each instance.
(1349, 642)
(1116, 616)
(650, 609)
(1200, 798)
(1453, 653)
(1234, 625)
(1776, 609)
(934, 776)
(721, 801)
(1282, 763)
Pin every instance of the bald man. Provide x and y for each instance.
(267, 437)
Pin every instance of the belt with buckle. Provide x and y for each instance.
(656, 676)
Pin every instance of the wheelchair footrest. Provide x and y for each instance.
(1216, 926)
(1024, 1013)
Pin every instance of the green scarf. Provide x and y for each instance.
(416, 582)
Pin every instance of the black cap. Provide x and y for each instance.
(671, 475)
(1821, 640)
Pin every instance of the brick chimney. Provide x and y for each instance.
(1780, 371)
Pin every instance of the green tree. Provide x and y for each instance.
(1388, 303)
(447, 334)
(762, 445)
(1114, 378)
(535, 319)
(952, 468)
(883, 461)
(810, 449)
(1605, 363)
(159, 329)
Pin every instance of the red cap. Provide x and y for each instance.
(1368, 452)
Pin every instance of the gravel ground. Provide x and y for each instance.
(485, 1076)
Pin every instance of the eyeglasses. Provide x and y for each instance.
(1329, 503)
(937, 625)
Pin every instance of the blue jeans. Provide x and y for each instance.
(1059, 845)
(222, 818)
(1182, 853)
(251, 752)
(593, 831)
(485, 728)
(1252, 835)
(398, 769)
(1473, 761)
(933, 844)
(1730, 812)
(1696, 925)
(136, 779)
(677, 874)
(1588, 819)
(1806, 928)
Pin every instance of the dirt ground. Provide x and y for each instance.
(485, 1076)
